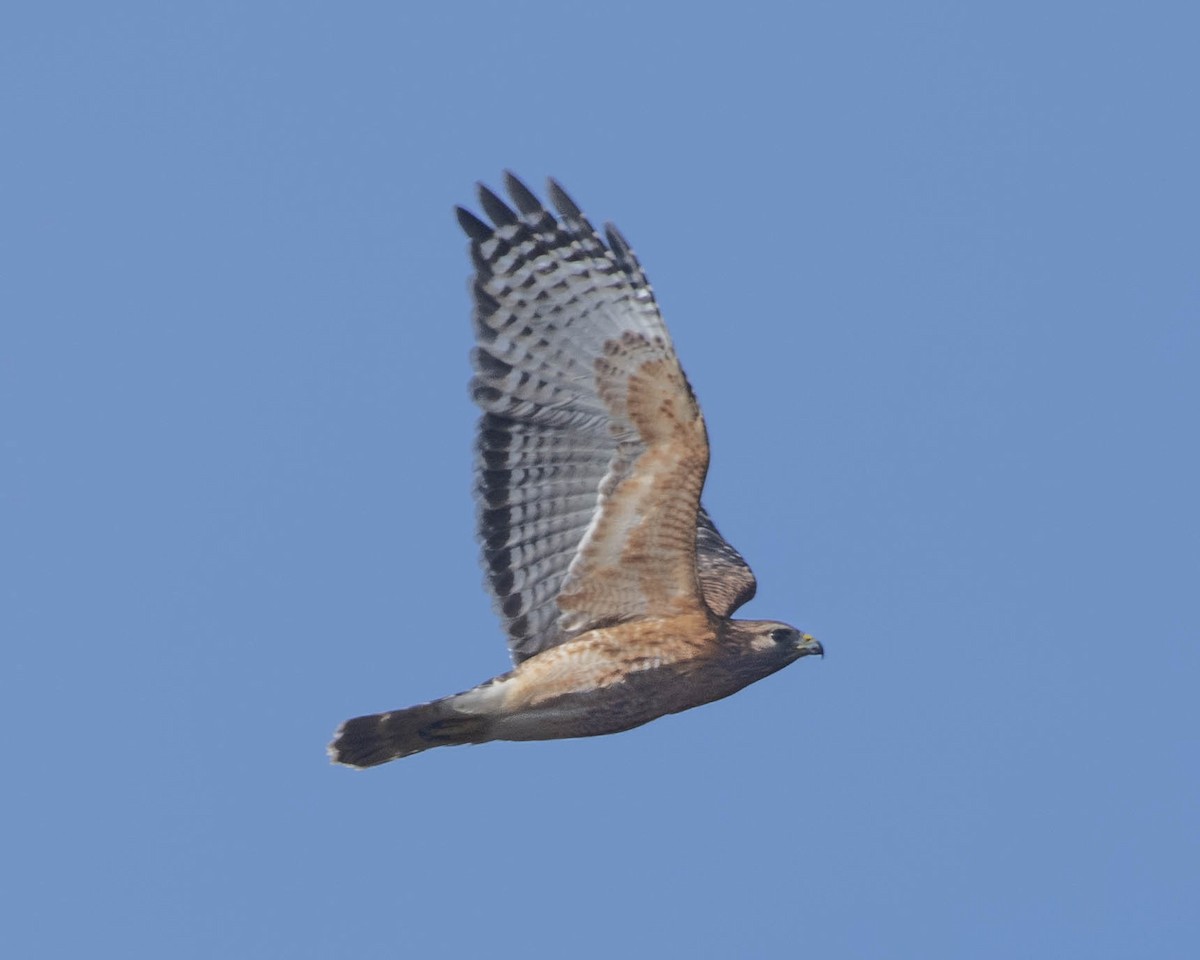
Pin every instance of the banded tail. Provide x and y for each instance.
(375, 739)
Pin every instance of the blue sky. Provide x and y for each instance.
(932, 270)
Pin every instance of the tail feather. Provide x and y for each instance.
(375, 739)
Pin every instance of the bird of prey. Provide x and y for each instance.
(612, 582)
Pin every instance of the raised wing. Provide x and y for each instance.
(726, 580)
(591, 451)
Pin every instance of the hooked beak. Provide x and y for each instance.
(810, 645)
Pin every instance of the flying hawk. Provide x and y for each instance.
(612, 582)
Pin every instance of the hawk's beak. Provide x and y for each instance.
(810, 645)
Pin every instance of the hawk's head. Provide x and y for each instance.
(771, 643)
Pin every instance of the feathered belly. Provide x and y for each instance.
(608, 680)
(635, 697)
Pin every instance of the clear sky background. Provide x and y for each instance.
(933, 271)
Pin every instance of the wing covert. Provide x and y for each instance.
(726, 580)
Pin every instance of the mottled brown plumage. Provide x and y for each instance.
(613, 584)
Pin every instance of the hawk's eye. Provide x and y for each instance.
(782, 634)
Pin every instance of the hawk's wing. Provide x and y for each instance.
(726, 580)
(591, 451)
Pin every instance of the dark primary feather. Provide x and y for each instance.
(525, 199)
(472, 226)
(548, 294)
(496, 208)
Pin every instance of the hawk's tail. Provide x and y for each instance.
(380, 737)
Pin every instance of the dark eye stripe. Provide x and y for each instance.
(781, 634)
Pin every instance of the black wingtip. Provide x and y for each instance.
(617, 242)
(562, 202)
(496, 208)
(521, 195)
(471, 225)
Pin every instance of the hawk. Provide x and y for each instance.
(613, 584)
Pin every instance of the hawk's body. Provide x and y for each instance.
(614, 586)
